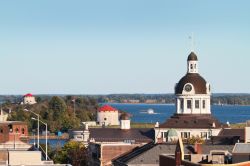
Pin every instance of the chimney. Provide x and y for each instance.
(198, 148)
(157, 124)
(213, 125)
(86, 133)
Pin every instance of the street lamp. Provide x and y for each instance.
(46, 138)
(38, 145)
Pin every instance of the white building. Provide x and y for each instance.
(29, 99)
(193, 112)
(4, 113)
(108, 116)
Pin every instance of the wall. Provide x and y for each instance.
(193, 132)
(29, 100)
(25, 158)
(247, 134)
(112, 118)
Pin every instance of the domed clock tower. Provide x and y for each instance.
(193, 111)
(192, 91)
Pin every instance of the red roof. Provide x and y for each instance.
(28, 95)
(106, 108)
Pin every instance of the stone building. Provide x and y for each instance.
(107, 116)
(193, 111)
(29, 99)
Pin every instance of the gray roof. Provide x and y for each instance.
(149, 153)
(144, 135)
(242, 148)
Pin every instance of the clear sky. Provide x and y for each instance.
(121, 46)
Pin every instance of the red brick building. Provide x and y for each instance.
(13, 131)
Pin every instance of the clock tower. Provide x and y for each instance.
(192, 91)
(193, 113)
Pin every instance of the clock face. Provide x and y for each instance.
(188, 88)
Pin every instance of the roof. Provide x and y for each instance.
(242, 148)
(192, 121)
(192, 57)
(233, 132)
(198, 82)
(12, 122)
(118, 135)
(106, 108)
(149, 153)
(28, 95)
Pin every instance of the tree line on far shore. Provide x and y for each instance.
(60, 113)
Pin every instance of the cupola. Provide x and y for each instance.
(192, 63)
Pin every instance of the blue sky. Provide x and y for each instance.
(126, 46)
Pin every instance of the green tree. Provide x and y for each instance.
(72, 153)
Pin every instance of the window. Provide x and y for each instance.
(203, 104)
(105, 119)
(197, 104)
(191, 66)
(189, 104)
(204, 135)
(17, 130)
(1, 130)
(23, 130)
(185, 135)
(182, 104)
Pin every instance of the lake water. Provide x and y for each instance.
(232, 114)
(53, 143)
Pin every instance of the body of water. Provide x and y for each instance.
(232, 114)
(53, 143)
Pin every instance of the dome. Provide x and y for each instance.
(198, 82)
(192, 57)
(172, 133)
(125, 116)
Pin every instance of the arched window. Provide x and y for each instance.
(17, 130)
(23, 131)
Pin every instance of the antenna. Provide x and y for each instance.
(191, 38)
